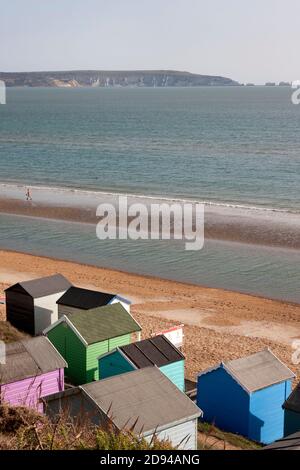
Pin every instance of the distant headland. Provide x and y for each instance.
(107, 78)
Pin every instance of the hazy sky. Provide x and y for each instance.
(255, 40)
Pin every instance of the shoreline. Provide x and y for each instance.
(219, 324)
(151, 277)
(16, 187)
(242, 225)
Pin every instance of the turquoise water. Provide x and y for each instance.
(237, 145)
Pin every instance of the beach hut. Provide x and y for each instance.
(291, 442)
(76, 299)
(157, 351)
(246, 395)
(31, 305)
(31, 370)
(85, 335)
(144, 399)
(292, 412)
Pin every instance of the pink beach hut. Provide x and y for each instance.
(29, 371)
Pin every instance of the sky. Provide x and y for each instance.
(248, 41)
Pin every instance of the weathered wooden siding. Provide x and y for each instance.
(119, 341)
(223, 402)
(92, 354)
(45, 311)
(20, 310)
(77, 406)
(291, 422)
(73, 351)
(266, 419)
(28, 392)
(66, 310)
(175, 372)
(183, 435)
(98, 349)
(113, 364)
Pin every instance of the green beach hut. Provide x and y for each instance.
(85, 335)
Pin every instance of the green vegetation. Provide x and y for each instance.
(214, 438)
(145, 78)
(24, 429)
(9, 334)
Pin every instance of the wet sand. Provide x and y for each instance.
(219, 324)
(277, 230)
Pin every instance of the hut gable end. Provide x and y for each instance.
(20, 309)
(31, 305)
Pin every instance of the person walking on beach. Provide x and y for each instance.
(28, 195)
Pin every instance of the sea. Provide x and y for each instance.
(230, 147)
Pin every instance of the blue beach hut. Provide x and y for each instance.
(245, 396)
(157, 351)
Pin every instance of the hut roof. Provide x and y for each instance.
(291, 442)
(85, 299)
(43, 286)
(100, 324)
(257, 371)
(157, 351)
(145, 397)
(29, 358)
(293, 401)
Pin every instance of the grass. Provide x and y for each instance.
(221, 437)
(9, 334)
(25, 429)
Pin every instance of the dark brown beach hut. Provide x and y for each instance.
(31, 305)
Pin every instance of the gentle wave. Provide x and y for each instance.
(93, 193)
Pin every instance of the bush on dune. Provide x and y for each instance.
(24, 429)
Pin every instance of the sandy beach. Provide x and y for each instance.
(219, 324)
